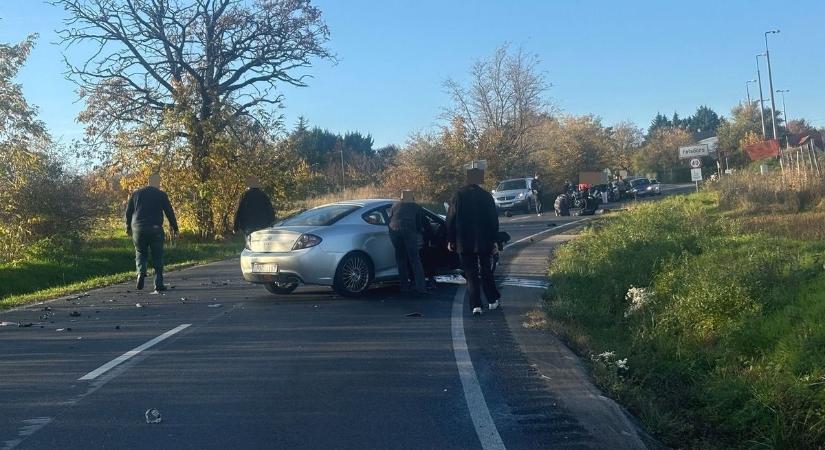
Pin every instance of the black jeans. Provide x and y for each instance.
(146, 240)
(407, 252)
(470, 263)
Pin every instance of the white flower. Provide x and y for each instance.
(622, 364)
(638, 298)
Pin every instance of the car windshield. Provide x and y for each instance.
(638, 182)
(511, 185)
(320, 217)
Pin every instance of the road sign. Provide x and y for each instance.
(695, 174)
(693, 151)
(695, 163)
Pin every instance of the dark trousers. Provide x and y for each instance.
(539, 205)
(407, 252)
(149, 240)
(479, 274)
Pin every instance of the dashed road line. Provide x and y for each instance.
(545, 232)
(479, 412)
(131, 353)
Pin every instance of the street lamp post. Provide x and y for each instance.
(784, 111)
(748, 91)
(770, 80)
(761, 99)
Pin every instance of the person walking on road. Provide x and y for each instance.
(472, 228)
(255, 211)
(144, 223)
(406, 234)
(538, 193)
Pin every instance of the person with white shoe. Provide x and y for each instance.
(472, 228)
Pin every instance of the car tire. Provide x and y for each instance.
(281, 288)
(353, 275)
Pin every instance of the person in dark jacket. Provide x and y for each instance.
(538, 193)
(144, 222)
(254, 210)
(472, 229)
(406, 233)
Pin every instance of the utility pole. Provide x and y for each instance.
(784, 113)
(748, 91)
(770, 81)
(761, 99)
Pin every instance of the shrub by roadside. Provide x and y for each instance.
(712, 336)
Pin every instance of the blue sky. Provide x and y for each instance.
(620, 60)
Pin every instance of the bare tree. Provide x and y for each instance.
(200, 67)
(504, 100)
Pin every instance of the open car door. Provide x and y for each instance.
(436, 258)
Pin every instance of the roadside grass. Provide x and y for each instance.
(706, 326)
(105, 259)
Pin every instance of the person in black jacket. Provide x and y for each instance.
(406, 233)
(472, 229)
(144, 222)
(254, 210)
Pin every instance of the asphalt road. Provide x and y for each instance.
(242, 368)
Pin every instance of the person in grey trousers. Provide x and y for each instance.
(144, 223)
(406, 228)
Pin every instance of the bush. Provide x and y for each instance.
(721, 329)
(43, 202)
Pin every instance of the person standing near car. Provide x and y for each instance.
(144, 223)
(406, 234)
(472, 228)
(255, 211)
(538, 193)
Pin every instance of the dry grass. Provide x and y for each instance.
(805, 226)
(775, 192)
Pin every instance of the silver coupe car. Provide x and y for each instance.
(345, 245)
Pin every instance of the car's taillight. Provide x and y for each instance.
(248, 243)
(306, 241)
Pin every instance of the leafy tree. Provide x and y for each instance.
(503, 101)
(741, 129)
(197, 71)
(703, 123)
(19, 126)
(626, 138)
(660, 151)
(659, 121)
(573, 144)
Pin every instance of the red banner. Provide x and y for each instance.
(762, 150)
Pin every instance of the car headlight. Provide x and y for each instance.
(306, 241)
(521, 195)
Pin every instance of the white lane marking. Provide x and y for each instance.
(520, 218)
(126, 356)
(482, 420)
(545, 231)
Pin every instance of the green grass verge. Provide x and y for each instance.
(722, 342)
(50, 273)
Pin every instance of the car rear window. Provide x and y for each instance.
(511, 185)
(320, 217)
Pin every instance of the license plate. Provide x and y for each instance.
(264, 268)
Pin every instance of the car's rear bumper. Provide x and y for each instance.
(511, 205)
(310, 266)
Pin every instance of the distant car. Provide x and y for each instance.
(345, 245)
(640, 187)
(514, 195)
(654, 186)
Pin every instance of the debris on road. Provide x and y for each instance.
(47, 308)
(74, 314)
(63, 329)
(24, 325)
(7, 324)
(117, 327)
(138, 305)
(551, 224)
(215, 305)
(152, 416)
(414, 314)
(183, 299)
(450, 279)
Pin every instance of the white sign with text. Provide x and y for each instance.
(693, 151)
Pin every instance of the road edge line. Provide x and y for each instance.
(545, 231)
(483, 422)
